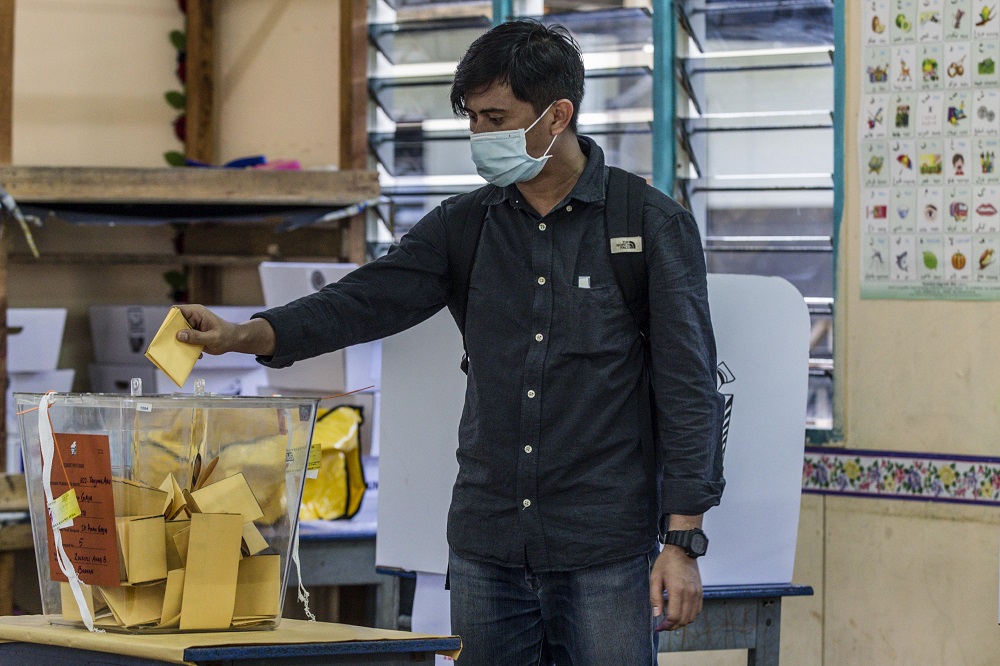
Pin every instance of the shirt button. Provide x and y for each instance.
(541, 280)
(527, 449)
(569, 209)
(539, 337)
(531, 393)
(526, 503)
(541, 226)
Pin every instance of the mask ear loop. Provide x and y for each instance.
(551, 143)
(540, 117)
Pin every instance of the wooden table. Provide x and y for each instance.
(737, 617)
(373, 652)
(294, 642)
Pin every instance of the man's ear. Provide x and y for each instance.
(561, 116)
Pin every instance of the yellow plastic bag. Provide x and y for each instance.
(338, 489)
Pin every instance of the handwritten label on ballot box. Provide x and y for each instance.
(83, 462)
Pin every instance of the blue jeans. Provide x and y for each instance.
(597, 616)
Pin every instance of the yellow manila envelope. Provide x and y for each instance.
(171, 614)
(231, 495)
(143, 545)
(175, 358)
(136, 499)
(181, 538)
(253, 541)
(258, 587)
(213, 562)
(70, 609)
(175, 560)
(174, 503)
(132, 606)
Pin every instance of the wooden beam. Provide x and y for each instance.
(205, 284)
(8, 226)
(13, 497)
(6, 155)
(16, 536)
(354, 109)
(200, 135)
(6, 583)
(193, 186)
(6, 80)
(353, 84)
(210, 260)
(13, 493)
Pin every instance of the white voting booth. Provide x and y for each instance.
(762, 334)
(357, 367)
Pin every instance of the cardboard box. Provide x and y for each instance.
(34, 338)
(115, 378)
(121, 333)
(349, 369)
(369, 401)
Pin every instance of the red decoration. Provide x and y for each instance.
(180, 128)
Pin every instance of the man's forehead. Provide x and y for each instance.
(496, 97)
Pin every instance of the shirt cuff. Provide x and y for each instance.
(689, 497)
(279, 359)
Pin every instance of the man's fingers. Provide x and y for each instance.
(680, 612)
(678, 575)
(656, 587)
(682, 607)
(192, 336)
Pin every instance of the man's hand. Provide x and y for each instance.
(678, 575)
(219, 336)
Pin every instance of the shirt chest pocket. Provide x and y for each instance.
(591, 322)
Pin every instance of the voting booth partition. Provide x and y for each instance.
(351, 369)
(762, 334)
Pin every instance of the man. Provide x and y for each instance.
(556, 508)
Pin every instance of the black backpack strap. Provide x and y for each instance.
(623, 223)
(463, 225)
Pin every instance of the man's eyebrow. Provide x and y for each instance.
(492, 109)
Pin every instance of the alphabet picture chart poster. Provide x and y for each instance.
(929, 136)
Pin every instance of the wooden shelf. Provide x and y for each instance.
(187, 185)
(212, 260)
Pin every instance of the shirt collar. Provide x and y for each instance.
(589, 187)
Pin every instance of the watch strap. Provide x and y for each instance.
(684, 539)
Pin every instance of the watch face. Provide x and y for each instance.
(699, 543)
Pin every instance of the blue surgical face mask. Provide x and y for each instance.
(502, 157)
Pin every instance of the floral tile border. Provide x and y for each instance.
(900, 475)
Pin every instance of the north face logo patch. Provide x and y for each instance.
(626, 244)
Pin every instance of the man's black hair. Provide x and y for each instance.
(540, 63)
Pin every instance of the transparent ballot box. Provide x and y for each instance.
(186, 507)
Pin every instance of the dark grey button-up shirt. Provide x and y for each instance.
(551, 466)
